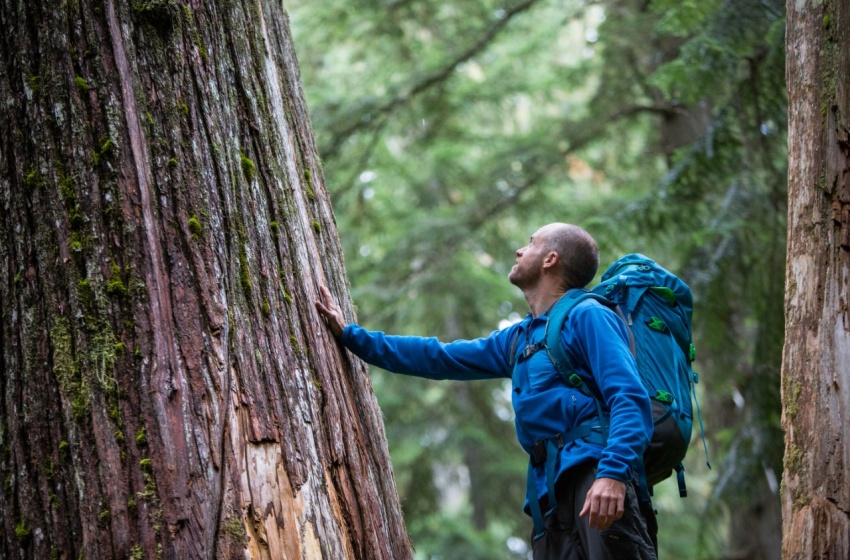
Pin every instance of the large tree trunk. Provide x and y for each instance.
(816, 358)
(167, 387)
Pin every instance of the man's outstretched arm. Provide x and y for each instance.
(482, 358)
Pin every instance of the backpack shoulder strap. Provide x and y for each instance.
(555, 324)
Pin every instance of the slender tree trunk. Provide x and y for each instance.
(166, 387)
(816, 358)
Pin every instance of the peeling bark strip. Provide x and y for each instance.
(166, 387)
(815, 373)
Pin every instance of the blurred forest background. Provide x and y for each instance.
(451, 130)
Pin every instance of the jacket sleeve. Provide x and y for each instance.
(482, 358)
(602, 342)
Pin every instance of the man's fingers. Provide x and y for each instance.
(330, 311)
(604, 503)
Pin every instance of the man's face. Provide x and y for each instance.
(529, 262)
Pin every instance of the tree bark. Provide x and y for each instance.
(815, 372)
(166, 386)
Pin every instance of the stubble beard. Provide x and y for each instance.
(522, 278)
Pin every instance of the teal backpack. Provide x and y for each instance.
(656, 307)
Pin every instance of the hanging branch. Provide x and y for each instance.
(429, 81)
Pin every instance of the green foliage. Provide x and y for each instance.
(451, 131)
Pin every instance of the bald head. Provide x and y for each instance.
(577, 252)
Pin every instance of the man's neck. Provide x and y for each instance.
(541, 298)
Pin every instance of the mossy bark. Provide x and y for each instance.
(816, 358)
(166, 386)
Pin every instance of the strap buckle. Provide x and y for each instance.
(530, 349)
(539, 453)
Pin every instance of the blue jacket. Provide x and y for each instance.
(596, 341)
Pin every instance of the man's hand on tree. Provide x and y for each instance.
(605, 502)
(331, 312)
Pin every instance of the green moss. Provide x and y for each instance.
(100, 357)
(54, 553)
(81, 84)
(84, 292)
(136, 553)
(145, 464)
(76, 219)
(71, 384)
(234, 527)
(172, 162)
(248, 167)
(131, 504)
(120, 348)
(267, 310)
(75, 243)
(244, 273)
(64, 366)
(49, 470)
(141, 438)
(66, 189)
(104, 516)
(793, 459)
(32, 179)
(195, 227)
(106, 146)
(202, 49)
(274, 227)
(317, 227)
(19, 278)
(115, 285)
(22, 532)
(159, 14)
(293, 341)
(64, 447)
(34, 83)
(309, 180)
(119, 436)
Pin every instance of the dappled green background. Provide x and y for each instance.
(451, 130)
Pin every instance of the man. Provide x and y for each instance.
(585, 486)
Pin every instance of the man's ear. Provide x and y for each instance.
(551, 259)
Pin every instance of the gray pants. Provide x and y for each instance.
(569, 537)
